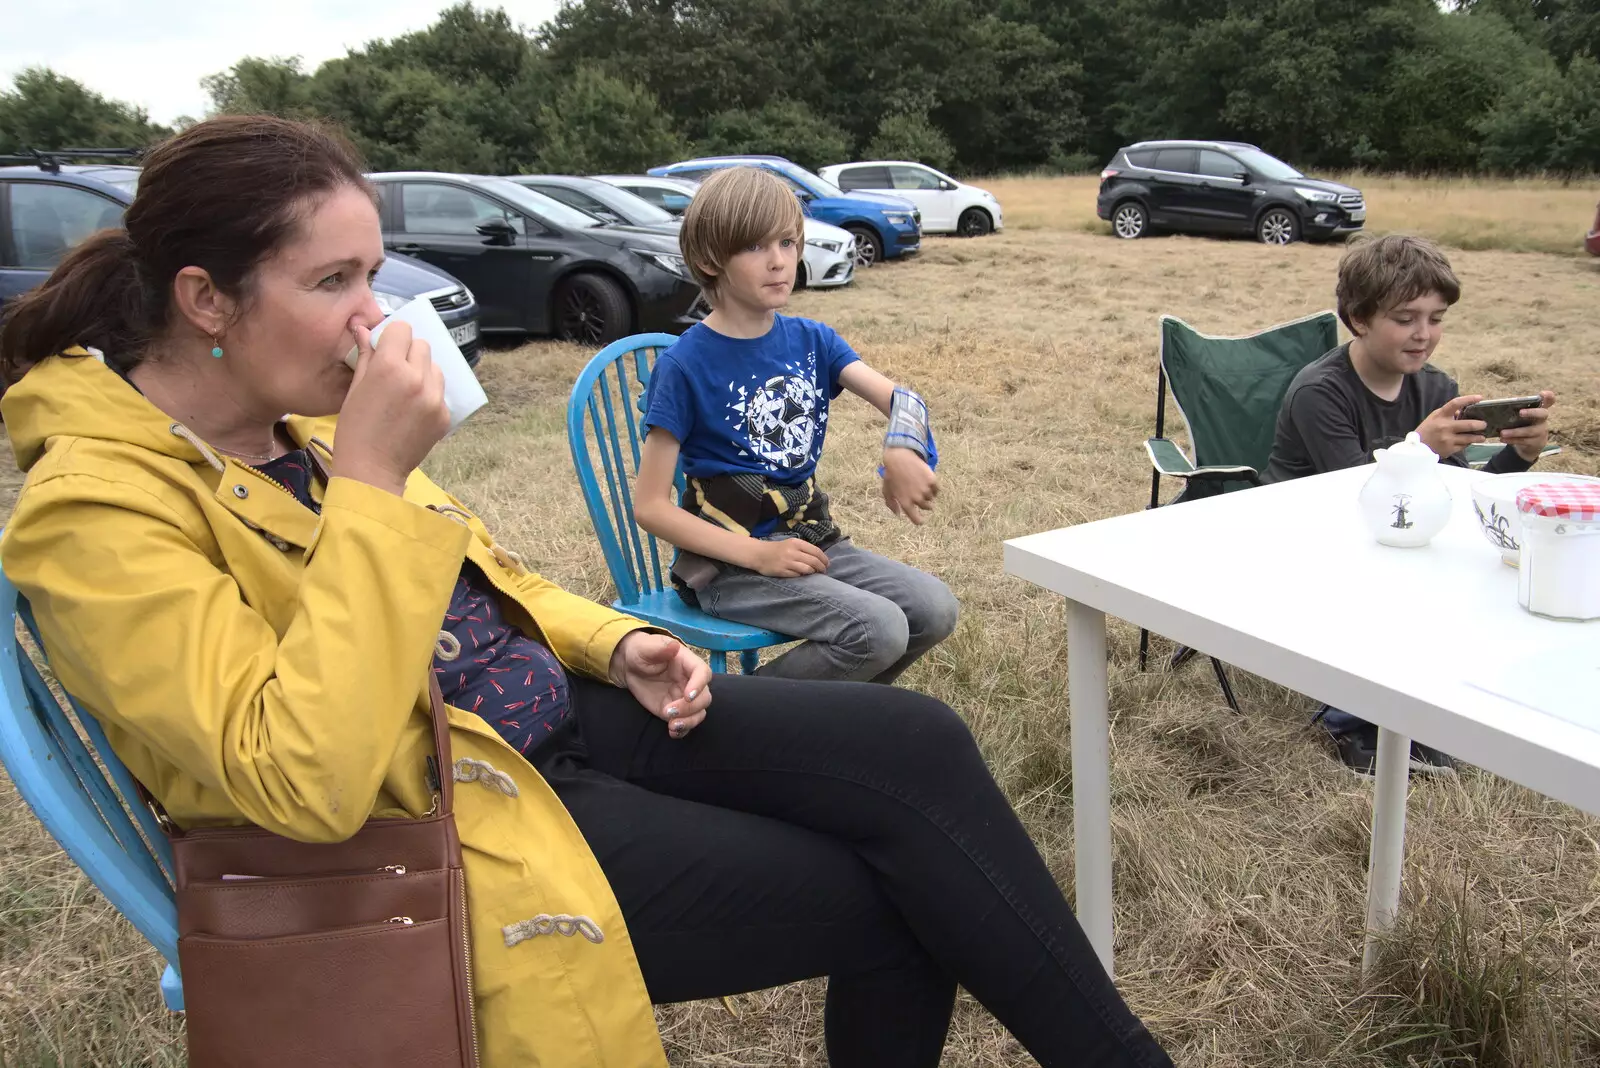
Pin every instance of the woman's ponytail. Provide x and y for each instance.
(94, 297)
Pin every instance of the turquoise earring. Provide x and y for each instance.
(216, 350)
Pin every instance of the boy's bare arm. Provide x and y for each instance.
(655, 511)
(869, 385)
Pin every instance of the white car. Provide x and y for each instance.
(830, 256)
(948, 206)
(830, 252)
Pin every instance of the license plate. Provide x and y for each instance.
(464, 333)
(1359, 215)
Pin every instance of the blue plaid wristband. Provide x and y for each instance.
(909, 427)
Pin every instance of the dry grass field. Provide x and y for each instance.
(1241, 845)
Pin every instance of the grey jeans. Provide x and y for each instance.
(866, 619)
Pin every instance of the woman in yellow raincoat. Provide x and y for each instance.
(256, 643)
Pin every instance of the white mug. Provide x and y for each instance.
(462, 393)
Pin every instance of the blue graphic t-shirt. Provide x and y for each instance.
(756, 405)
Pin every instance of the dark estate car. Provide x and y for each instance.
(1222, 187)
(47, 207)
(537, 265)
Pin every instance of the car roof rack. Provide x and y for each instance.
(51, 159)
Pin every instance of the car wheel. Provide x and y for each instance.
(1129, 220)
(800, 278)
(1278, 227)
(592, 310)
(869, 246)
(974, 222)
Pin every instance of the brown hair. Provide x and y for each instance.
(734, 209)
(222, 195)
(1387, 272)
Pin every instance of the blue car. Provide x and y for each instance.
(48, 206)
(884, 227)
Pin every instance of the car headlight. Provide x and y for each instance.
(989, 197)
(829, 246)
(389, 303)
(897, 218)
(1318, 196)
(670, 262)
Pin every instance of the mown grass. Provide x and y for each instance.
(1241, 846)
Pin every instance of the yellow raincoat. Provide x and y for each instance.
(252, 661)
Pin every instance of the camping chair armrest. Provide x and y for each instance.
(1480, 453)
(1168, 459)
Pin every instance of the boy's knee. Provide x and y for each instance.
(933, 617)
(877, 637)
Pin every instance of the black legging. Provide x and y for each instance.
(841, 829)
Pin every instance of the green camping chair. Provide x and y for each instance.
(1228, 391)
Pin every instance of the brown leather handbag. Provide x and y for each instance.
(336, 954)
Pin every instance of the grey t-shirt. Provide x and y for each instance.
(1330, 420)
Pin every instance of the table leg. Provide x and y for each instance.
(1388, 841)
(1091, 773)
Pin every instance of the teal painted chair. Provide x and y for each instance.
(84, 795)
(604, 435)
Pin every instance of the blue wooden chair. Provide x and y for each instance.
(603, 422)
(83, 807)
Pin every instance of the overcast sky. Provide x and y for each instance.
(154, 54)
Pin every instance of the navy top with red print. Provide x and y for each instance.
(511, 680)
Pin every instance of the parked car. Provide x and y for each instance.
(947, 206)
(671, 195)
(601, 199)
(1592, 242)
(47, 207)
(537, 265)
(885, 227)
(1222, 187)
(829, 257)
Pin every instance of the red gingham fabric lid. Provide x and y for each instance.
(1578, 501)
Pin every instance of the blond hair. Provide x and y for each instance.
(734, 209)
(1388, 272)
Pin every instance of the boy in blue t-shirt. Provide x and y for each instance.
(743, 399)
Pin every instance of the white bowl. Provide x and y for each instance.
(1494, 499)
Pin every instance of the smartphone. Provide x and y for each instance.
(1502, 414)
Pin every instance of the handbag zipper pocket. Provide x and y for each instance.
(279, 907)
(392, 869)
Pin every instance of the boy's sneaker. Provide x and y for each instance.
(1358, 749)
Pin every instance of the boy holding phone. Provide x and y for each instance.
(1369, 393)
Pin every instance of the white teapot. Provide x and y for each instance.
(1405, 502)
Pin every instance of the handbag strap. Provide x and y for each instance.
(439, 712)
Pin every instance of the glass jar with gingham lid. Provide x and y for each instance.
(1560, 573)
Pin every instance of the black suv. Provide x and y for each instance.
(537, 265)
(1222, 187)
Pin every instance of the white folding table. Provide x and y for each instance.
(1287, 582)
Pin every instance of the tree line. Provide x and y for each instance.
(978, 86)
